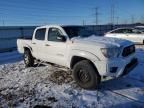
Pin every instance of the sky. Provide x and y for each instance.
(69, 12)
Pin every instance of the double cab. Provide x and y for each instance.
(89, 57)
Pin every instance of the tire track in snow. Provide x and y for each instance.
(125, 95)
(110, 90)
(136, 79)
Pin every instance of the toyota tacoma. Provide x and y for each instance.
(89, 57)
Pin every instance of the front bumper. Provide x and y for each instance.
(122, 66)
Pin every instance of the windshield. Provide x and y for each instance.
(78, 31)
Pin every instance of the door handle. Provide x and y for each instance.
(47, 45)
(34, 43)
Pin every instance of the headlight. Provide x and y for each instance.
(110, 52)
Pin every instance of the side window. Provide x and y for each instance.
(122, 31)
(53, 34)
(128, 31)
(135, 31)
(40, 34)
(118, 31)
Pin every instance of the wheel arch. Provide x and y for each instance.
(27, 47)
(77, 55)
(76, 59)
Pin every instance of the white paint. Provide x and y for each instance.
(61, 53)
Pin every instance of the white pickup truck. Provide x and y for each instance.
(89, 57)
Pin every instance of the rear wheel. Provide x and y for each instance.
(28, 58)
(86, 75)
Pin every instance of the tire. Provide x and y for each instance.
(86, 75)
(28, 58)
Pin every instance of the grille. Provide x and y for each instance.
(128, 50)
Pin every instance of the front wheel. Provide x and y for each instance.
(86, 75)
(28, 58)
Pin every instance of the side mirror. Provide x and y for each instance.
(61, 38)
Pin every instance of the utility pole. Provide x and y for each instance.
(125, 21)
(3, 22)
(142, 19)
(96, 15)
(117, 18)
(132, 19)
(83, 22)
(112, 13)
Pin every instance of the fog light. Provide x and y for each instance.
(113, 69)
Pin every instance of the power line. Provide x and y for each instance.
(29, 6)
(20, 17)
(33, 8)
(42, 14)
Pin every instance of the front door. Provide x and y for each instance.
(55, 49)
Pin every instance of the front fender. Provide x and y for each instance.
(85, 54)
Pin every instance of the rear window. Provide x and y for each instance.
(118, 31)
(40, 34)
(123, 31)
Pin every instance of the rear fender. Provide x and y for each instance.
(27, 46)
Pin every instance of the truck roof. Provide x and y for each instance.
(46, 26)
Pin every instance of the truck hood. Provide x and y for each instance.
(103, 41)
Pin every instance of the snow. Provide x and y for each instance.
(51, 86)
(104, 40)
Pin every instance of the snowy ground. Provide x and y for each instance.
(50, 86)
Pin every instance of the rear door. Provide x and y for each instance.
(127, 34)
(38, 43)
(118, 33)
(136, 36)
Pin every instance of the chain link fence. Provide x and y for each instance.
(9, 35)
